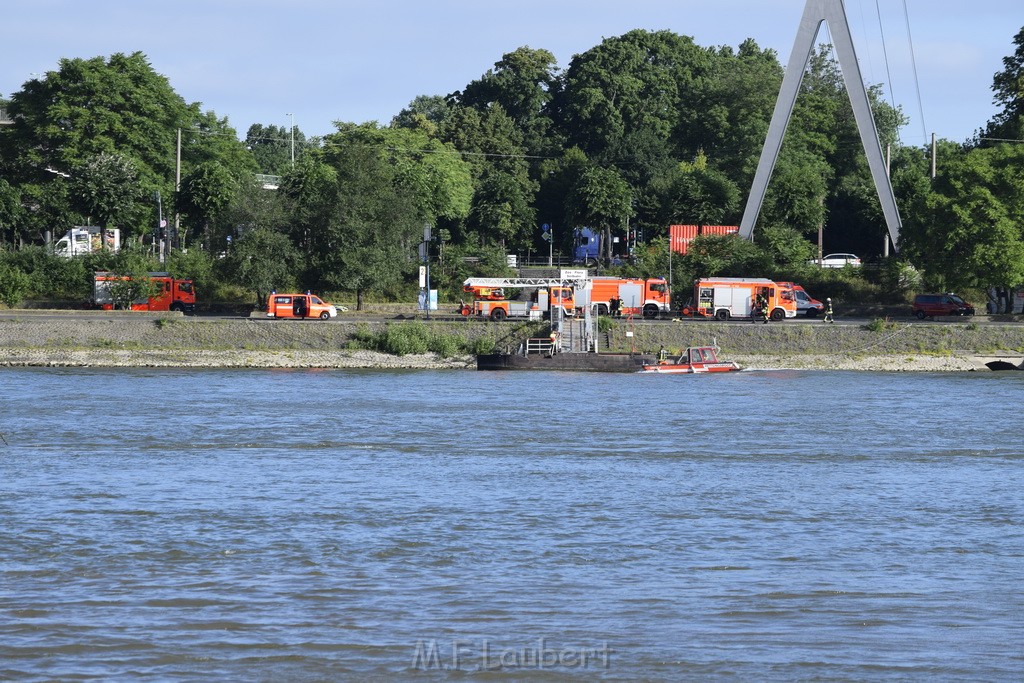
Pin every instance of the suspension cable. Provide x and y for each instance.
(867, 43)
(885, 53)
(913, 61)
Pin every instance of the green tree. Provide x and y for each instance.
(796, 196)
(696, 194)
(206, 191)
(557, 179)
(197, 265)
(368, 224)
(641, 80)
(263, 260)
(105, 189)
(271, 147)
(10, 212)
(723, 256)
(91, 106)
(600, 198)
(359, 208)
(432, 170)
(972, 235)
(89, 109)
(503, 192)
(425, 111)
(522, 84)
(727, 118)
(84, 110)
(1008, 86)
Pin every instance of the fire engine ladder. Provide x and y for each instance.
(519, 282)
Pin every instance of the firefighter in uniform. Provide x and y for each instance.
(762, 303)
(828, 311)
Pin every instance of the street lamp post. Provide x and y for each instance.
(292, 131)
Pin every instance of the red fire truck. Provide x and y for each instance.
(649, 298)
(172, 294)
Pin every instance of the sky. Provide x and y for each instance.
(313, 62)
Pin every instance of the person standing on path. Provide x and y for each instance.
(828, 311)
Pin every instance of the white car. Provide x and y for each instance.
(838, 261)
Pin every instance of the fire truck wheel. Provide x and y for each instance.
(650, 311)
(778, 314)
(498, 314)
(177, 307)
(325, 315)
(602, 309)
(722, 315)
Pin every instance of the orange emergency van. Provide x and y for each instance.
(299, 306)
(736, 297)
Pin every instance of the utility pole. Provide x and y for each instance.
(935, 150)
(177, 189)
(160, 225)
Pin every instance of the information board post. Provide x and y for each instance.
(425, 270)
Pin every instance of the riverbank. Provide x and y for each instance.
(152, 340)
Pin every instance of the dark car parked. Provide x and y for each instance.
(931, 305)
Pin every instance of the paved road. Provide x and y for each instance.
(441, 316)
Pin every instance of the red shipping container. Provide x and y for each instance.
(679, 237)
(719, 229)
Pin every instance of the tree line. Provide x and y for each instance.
(644, 130)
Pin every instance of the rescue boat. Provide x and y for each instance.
(694, 360)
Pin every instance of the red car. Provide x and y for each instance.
(931, 305)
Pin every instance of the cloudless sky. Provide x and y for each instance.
(254, 61)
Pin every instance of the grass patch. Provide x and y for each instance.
(880, 325)
(122, 345)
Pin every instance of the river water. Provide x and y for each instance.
(367, 525)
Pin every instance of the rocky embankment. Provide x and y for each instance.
(163, 340)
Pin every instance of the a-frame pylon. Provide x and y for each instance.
(817, 12)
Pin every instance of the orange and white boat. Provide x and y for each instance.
(694, 360)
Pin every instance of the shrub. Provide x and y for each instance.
(481, 346)
(445, 345)
(14, 285)
(405, 339)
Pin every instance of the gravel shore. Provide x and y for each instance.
(203, 358)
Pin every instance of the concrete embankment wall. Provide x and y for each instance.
(151, 331)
